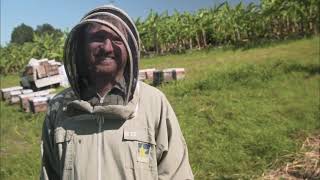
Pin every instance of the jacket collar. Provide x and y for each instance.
(129, 111)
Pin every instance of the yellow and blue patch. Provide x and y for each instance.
(143, 151)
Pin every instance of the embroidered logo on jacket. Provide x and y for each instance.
(143, 152)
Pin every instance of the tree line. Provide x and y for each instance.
(222, 25)
(24, 33)
(43, 42)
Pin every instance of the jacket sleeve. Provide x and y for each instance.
(172, 152)
(49, 162)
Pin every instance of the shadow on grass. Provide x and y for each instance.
(311, 69)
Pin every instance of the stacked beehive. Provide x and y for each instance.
(161, 76)
(37, 69)
(39, 103)
(41, 73)
(167, 75)
(14, 95)
(29, 101)
(5, 92)
(38, 75)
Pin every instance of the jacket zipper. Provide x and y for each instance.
(100, 121)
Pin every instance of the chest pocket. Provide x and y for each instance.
(140, 149)
(64, 143)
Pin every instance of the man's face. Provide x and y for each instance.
(105, 51)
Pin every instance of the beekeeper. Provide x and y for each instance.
(109, 125)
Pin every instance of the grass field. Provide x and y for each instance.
(241, 111)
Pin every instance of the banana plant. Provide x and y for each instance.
(220, 25)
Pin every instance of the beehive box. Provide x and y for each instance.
(149, 73)
(5, 92)
(142, 75)
(24, 98)
(53, 68)
(24, 101)
(167, 75)
(174, 73)
(41, 72)
(26, 91)
(157, 77)
(146, 74)
(14, 95)
(46, 66)
(38, 104)
(179, 73)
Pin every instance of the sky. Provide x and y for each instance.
(64, 14)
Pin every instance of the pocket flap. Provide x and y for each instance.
(138, 134)
(61, 135)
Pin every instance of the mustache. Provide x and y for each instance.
(104, 54)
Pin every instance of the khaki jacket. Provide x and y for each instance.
(142, 140)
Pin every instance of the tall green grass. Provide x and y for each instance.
(20, 143)
(240, 111)
(239, 120)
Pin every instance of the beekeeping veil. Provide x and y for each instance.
(117, 20)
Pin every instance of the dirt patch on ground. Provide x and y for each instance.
(306, 163)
